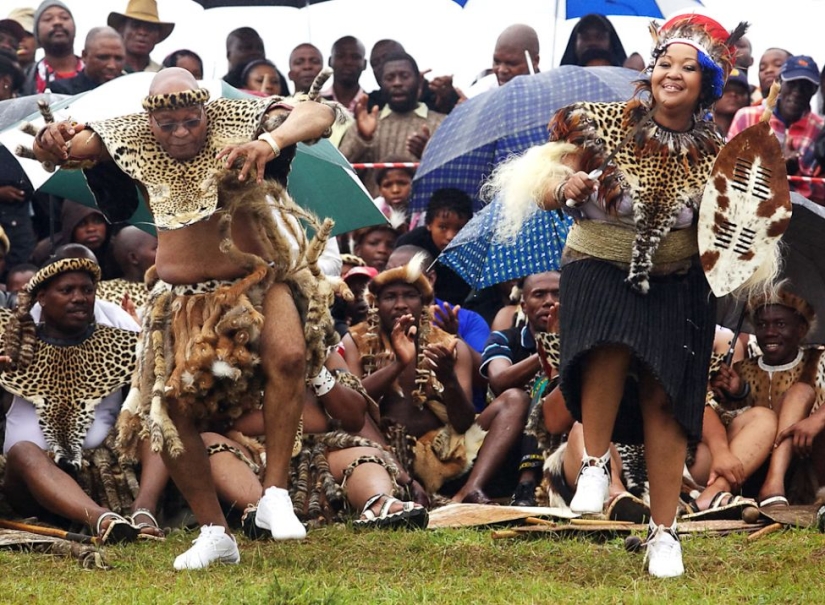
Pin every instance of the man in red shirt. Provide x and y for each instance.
(793, 123)
(54, 30)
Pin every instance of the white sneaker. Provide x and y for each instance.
(276, 514)
(213, 544)
(664, 553)
(591, 489)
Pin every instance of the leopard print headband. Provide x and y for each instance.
(64, 265)
(176, 100)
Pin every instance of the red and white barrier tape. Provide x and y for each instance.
(806, 179)
(363, 165)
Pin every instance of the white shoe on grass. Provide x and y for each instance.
(275, 513)
(213, 545)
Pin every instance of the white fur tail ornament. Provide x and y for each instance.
(746, 208)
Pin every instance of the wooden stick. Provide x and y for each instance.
(48, 531)
(537, 521)
(605, 522)
(505, 533)
(768, 529)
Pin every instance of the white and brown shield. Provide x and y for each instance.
(746, 207)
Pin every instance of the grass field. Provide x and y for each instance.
(338, 565)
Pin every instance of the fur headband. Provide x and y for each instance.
(176, 100)
(783, 297)
(59, 267)
(412, 273)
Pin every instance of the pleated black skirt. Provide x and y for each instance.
(670, 331)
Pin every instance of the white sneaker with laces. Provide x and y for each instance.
(276, 514)
(212, 545)
(592, 485)
(664, 552)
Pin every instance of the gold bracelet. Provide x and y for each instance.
(270, 140)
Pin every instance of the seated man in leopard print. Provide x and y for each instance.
(66, 372)
(788, 379)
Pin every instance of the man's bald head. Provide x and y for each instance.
(172, 79)
(509, 58)
(402, 255)
(74, 250)
(134, 251)
(521, 37)
(99, 33)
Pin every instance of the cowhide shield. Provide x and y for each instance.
(746, 207)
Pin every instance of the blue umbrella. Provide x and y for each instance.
(483, 131)
(658, 9)
(482, 259)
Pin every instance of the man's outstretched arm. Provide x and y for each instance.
(63, 142)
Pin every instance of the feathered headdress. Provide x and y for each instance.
(716, 47)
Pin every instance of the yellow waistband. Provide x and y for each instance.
(615, 243)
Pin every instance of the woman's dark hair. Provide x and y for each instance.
(172, 59)
(237, 76)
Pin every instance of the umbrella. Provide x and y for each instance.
(236, 3)
(803, 256)
(321, 179)
(658, 9)
(483, 131)
(482, 259)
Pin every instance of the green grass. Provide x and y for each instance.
(339, 566)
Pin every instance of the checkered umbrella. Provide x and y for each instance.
(483, 131)
(482, 259)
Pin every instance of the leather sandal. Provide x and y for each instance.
(777, 500)
(118, 531)
(411, 515)
(152, 524)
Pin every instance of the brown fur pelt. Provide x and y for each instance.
(316, 497)
(19, 336)
(199, 345)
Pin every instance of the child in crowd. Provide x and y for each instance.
(19, 275)
(448, 211)
(395, 187)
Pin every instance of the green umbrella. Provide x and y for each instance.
(321, 179)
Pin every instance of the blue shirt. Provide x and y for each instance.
(515, 344)
(472, 327)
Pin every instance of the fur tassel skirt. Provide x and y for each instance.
(669, 330)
